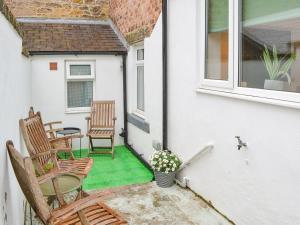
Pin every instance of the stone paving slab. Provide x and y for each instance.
(150, 205)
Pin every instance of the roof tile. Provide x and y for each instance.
(63, 37)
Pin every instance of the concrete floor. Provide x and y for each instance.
(150, 205)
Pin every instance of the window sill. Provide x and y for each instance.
(139, 122)
(271, 101)
(78, 111)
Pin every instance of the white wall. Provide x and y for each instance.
(15, 84)
(48, 90)
(263, 191)
(140, 140)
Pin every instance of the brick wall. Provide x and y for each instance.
(90, 9)
(135, 18)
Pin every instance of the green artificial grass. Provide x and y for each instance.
(124, 169)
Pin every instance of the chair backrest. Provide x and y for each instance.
(102, 115)
(35, 137)
(24, 172)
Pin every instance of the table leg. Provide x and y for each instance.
(80, 147)
(30, 213)
(65, 152)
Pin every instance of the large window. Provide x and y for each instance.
(252, 47)
(80, 85)
(140, 93)
(270, 37)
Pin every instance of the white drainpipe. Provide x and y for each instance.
(184, 182)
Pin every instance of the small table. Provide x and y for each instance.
(70, 131)
(66, 183)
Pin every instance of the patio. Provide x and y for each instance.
(148, 204)
(215, 84)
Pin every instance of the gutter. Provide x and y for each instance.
(165, 73)
(77, 52)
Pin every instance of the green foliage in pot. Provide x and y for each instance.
(277, 68)
(165, 161)
(48, 166)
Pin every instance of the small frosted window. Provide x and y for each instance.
(79, 70)
(140, 54)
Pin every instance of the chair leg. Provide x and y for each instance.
(112, 147)
(91, 144)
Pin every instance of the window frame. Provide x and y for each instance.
(78, 78)
(232, 88)
(205, 82)
(138, 63)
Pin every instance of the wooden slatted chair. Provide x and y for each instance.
(86, 211)
(50, 127)
(101, 125)
(44, 151)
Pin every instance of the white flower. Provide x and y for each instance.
(173, 169)
(156, 156)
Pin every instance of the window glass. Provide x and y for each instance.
(80, 93)
(140, 88)
(270, 45)
(80, 70)
(140, 54)
(217, 40)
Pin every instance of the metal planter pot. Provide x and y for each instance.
(164, 180)
(277, 85)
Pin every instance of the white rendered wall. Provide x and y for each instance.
(258, 186)
(140, 140)
(15, 97)
(48, 90)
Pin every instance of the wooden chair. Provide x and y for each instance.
(49, 127)
(86, 211)
(44, 151)
(101, 125)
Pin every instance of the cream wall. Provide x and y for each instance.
(15, 98)
(48, 90)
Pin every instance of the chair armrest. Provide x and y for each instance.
(74, 207)
(51, 123)
(41, 154)
(54, 130)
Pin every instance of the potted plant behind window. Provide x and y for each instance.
(165, 164)
(278, 69)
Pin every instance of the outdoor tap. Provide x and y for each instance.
(123, 133)
(240, 143)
